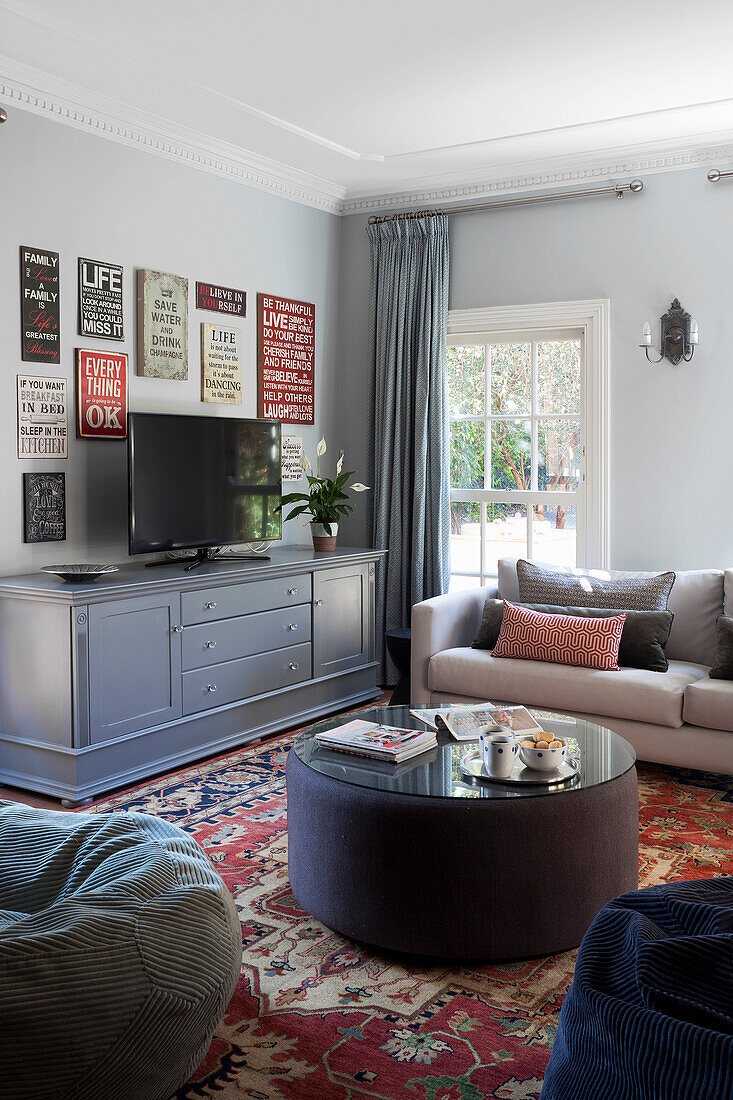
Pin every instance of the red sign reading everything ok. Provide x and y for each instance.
(286, 361)
(101, 394)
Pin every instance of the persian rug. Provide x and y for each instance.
(317, 1016)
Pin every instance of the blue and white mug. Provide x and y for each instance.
(498, 753)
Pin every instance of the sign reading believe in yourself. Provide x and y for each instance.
(286, 359)
(221, 367)
(101, 394)
(221, 299)
(162, 325)
(42, 417)
(39, 306)
(100, 300)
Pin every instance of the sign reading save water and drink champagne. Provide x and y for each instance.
(286, 332)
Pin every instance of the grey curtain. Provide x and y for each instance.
(409, 317)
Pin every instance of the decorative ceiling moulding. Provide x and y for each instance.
(76, 107)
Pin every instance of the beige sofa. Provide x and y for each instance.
(676, 717)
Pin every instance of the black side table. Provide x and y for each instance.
(399, 644)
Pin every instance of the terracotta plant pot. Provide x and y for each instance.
(322, 541)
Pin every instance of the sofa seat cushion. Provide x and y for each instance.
(710, 703)
(633, 693)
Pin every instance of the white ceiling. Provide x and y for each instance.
(362, 103)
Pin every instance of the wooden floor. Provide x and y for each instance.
(45, 801)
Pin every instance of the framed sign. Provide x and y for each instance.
(39, 306)
(221, 299)
(100, 300)
(292, 449)
(44, 507)
(286, 346)
(42, 417)
(221, 367)
(162, 325)
(101, 394)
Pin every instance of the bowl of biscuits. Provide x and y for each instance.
(542, 751)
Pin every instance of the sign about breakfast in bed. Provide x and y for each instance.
(286, 342)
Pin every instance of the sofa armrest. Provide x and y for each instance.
(443, 623)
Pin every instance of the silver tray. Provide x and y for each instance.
(472, 768)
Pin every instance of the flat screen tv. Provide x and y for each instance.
(201, 482)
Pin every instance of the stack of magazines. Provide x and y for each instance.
(465, 723)
(377, 742)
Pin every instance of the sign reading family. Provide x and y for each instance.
(221, 367)
(39, 306)
(221, 299)
(100, 300)
(162, 302)
(286, 359)
(42, 421)
(101, 394)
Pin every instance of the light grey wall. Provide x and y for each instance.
(79, 195)
(672, 427)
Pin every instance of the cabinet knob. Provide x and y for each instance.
(210, 604)
(210, 688)
(292, 626)
(294, 665)
(292, 592)
(318, 603)
(177, 629)
(209, 645)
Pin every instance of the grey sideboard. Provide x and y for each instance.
(107, 683)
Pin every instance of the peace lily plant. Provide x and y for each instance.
(325, 500)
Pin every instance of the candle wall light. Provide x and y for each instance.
(679, 335)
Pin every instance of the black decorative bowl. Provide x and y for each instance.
(80, 574)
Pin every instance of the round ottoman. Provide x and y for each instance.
(120, 949)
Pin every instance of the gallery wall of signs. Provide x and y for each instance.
(285, 369)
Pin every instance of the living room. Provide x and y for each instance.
(405, 772)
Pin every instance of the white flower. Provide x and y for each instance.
(304, 463)
(340, 464)
(359, 488)
(321, 448)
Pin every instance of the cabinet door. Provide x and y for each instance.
(134, 665)
(342, 619)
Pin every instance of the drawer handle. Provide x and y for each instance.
(318, 603)
(292, 592)
(210, 688)
(210, 605)
(294, 665)
(177, 629)
(209, 645)
(292, 626)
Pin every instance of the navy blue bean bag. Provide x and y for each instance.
(649, 1015)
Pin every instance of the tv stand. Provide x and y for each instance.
(206, 554)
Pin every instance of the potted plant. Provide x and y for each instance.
(325, 500)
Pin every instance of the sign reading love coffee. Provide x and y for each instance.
(39, 305)
(101, 394)
(286, 331)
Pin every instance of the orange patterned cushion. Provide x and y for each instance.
(564, 639)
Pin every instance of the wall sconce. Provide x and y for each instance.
(679, 335)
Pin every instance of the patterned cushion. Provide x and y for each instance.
(563, 639)
(540, 585)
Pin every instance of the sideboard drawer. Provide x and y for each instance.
(205, 688)
(226, 601)
(227, 639)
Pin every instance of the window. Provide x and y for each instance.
(521, 429)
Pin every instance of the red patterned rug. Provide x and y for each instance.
(316, 1016)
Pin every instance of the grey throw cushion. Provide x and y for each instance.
(643, 639)
(723, 667)
(540, 585)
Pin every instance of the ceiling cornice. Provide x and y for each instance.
(33, 90)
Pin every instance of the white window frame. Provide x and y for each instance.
(590, 319)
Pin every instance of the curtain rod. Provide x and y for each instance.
(616, 189)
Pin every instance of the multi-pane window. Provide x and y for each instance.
(516, 450)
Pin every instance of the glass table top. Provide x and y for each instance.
(604, 755)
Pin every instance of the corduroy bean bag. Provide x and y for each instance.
(649, 1015)
(120, 948)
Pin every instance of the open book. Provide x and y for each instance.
(377, 742)
(465, 723)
